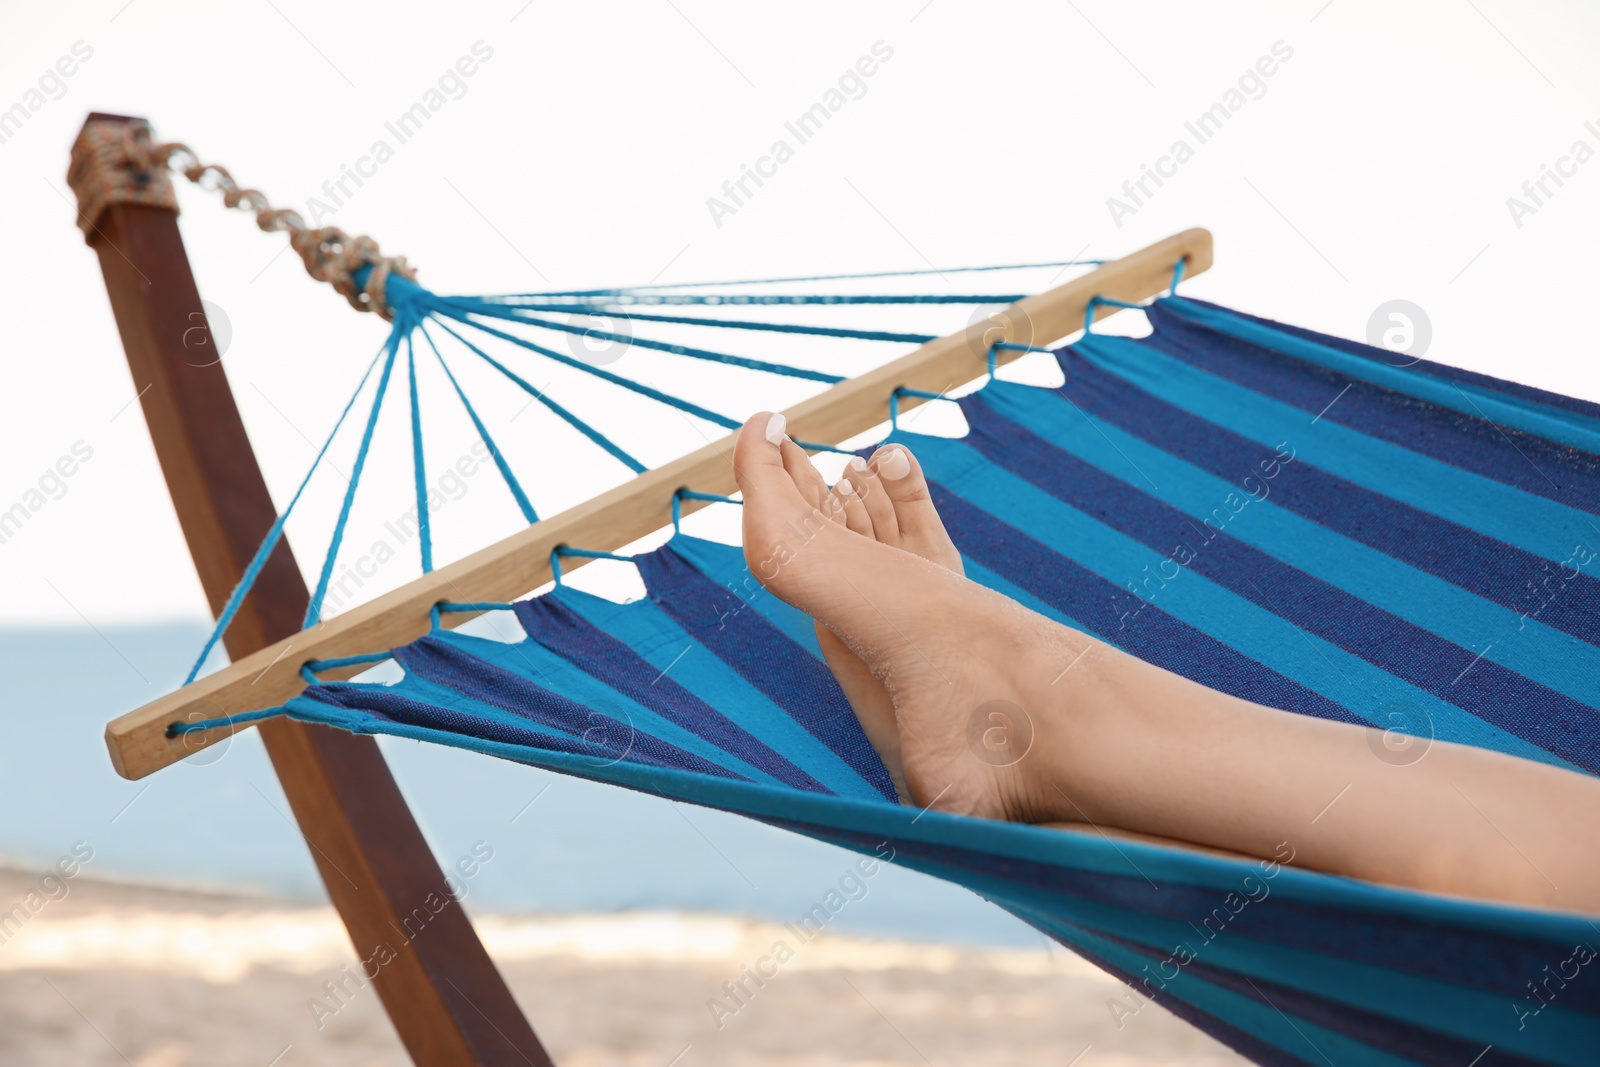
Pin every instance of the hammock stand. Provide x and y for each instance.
(444, 995)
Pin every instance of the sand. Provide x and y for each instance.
(119, 975)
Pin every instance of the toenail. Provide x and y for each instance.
(776, 427)
(894, 465)
(846, 487)
(858, 464)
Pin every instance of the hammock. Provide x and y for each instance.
(1287, 517)
(1284, 516)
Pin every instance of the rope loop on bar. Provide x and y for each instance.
(120, 162)
(1102, 301)
(906, 390)
(455, 607)
(310, 668)
(1105, 301)
(683, 493)
(178, 729)
(585, 553)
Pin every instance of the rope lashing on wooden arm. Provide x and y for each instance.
(117, 161)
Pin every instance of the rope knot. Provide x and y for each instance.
(117, 161)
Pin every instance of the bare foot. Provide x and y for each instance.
(1003, 713)
(968, 672)
(884, 498)
(846, 505)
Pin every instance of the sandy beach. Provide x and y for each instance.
(115, 974)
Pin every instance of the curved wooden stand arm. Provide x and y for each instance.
(440, 988)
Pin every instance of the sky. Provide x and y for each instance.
(1376, 153)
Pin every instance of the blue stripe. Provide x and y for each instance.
(1496, 571)
(745, 641)
(552, 623)
(1506, 454)
(1242, 1041)
(616, 726)
(538, 719)
(1537, 652)
(1587, 411)
(725, 565)
(1364, 969)
(1082, 594)
(1402, 1026)
(665, 645)
(1338, 676)
(1493, 693)
(1490, 402)
(1538, 526)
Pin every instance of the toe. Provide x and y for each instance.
(875, 501)
(921, 529)
(806, 477)
(771, 497)
(848, 504)
(758, 464)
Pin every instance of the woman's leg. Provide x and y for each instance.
(1004, 714)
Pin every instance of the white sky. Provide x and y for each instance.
(1376, 166)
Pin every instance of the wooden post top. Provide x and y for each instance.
(111, 165)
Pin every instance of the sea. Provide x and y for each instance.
(534, 842)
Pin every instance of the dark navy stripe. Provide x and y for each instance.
(1454, 955)
(388, 706)
(743, 639)
(1508, 455)
(1585, 408)
(1420, 1044)
(1479, 564)
(1246, 1044)
(1092, 602)
(445, 664)
(1493, 693)
(603, 657)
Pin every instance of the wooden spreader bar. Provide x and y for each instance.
(138, 741)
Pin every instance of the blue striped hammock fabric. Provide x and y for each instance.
(1277, 514)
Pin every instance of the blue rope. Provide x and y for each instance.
(484, 308)
(595, 309)
(994, 361)
(314, 609)
(681, 495)
(419, 472)
(274, 534)
(817, 446)
(1177, 275)
(309, 669)
(586, 553)
(452, 607)
(476, 605)
(906, 390)
(483, 432)
(637, 387)
(1102, 301)
(178, 729)
(828, 277)
(572, 420)
(618, 296)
